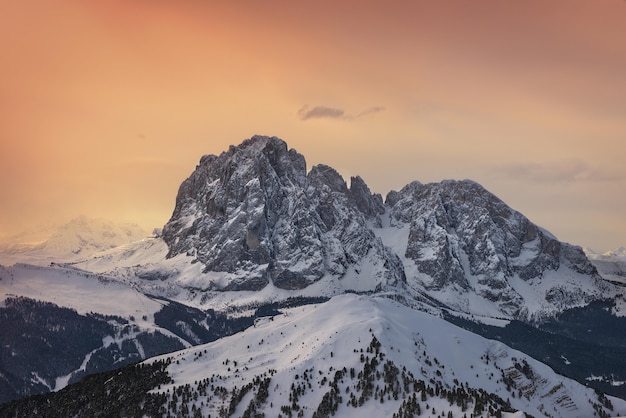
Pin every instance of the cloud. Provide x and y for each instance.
(319, 112)
(557, 172)
(326, 112)
(373, 109)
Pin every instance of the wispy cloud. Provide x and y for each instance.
(556, 172)
(320, 112)
(327, 112)
(371, 110)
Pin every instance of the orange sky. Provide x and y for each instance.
(106, 106)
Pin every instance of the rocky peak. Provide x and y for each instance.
(462, 236)
(254, 217)
(253, 214)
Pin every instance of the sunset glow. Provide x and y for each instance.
(107, 106)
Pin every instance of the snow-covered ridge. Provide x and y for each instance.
(310, 353)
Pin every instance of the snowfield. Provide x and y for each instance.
(307, 346)
(81, 291)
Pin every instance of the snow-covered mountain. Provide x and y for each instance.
(253, 220)
(352, 356)
(77, 239)
(475, 254)
(60, 324)
(375, 353)
(254, 233)
(254, 215)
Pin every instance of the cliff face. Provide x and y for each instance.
(253, 212)
(254, 216)
(465, 238)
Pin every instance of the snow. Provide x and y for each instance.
(324, 337)
(612, 267)
(78, 290)
(610, 380)
(38, 379)
(617, 253)
(620, 306)
(529, 252)
(392, 236)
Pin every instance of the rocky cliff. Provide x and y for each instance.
(462, 237)
(254, 216)
(254, 213)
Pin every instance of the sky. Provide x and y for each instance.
(107, 106)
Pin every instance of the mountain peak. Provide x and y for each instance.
(462, 236)
(261, 141)
(253, 217)
(253, 214)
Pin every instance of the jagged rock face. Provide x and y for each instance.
(463, 236)
(254, 216)
(370, 204)
(344, 212)
(254, 213)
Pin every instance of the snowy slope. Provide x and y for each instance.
(305, 350)
(144, 266)
(75, 289)
(130, 316)
(612, 267)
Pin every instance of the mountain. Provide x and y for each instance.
(61, 324)
(85, 236)
(619, 252)
(351, 356)
(79, 238)
(315, 269)
(611, 264)
(255, 215)
(253, 220)
(474, 253)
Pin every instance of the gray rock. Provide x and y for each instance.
(255, 215)
(458, 230)
(253, 212)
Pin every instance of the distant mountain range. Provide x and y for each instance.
(79, 238)
(351, 305)
(611, 264)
